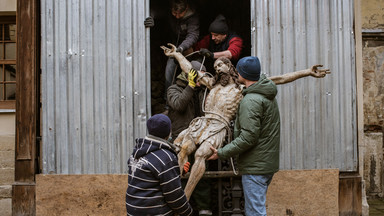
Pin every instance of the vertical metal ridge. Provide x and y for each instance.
(96, 96)
(318, 117)
(92, 72)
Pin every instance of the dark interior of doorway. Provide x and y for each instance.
(238, 17)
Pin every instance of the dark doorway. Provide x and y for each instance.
(238, 18)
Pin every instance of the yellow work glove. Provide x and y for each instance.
(192, 76)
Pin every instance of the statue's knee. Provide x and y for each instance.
(184, 147)
(204, 151)
(184, 151)
(178, 140)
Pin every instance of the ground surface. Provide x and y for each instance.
(376, 207)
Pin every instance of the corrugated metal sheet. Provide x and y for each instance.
(95, 83)
(318, 116)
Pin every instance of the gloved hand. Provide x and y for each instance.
(186, 168)
(206, 53)
(179, 49)
(192, 77)
(149, 22)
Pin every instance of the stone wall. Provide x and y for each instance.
(373, 72)
(372, 14)
(7, 138)
(373, 164)
(7, 162)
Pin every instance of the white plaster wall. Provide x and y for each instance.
(7, 5)
(7, 124)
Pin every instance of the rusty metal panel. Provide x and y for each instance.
(95, 83)
(318, 116)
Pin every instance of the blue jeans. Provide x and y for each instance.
(170, 73)
(255, 193)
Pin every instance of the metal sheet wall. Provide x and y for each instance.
(318, 116)
(95, 83)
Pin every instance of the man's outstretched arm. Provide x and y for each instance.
(185, 65)
(289, 77)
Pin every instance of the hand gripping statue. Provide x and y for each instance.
(220, 108)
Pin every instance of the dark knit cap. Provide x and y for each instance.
(196, 65)
(249, 68)
(159, 125)
(219, 25)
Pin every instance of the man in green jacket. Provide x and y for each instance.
(256, 135)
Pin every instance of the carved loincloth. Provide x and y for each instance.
(202, 129)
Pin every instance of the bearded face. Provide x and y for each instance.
(225, 72)
(221, 67)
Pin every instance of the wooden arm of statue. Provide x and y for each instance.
(186, 66)
(289, 77)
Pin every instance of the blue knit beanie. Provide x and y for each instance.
(249, 68)
(159, 125)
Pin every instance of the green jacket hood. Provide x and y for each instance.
(264, 87)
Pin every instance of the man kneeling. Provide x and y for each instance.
(154, 185)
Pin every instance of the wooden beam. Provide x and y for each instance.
(350, 194)
(25, 199)
(27, 61)
(215, 174)
(359, 85)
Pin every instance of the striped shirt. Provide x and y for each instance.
(154, 186)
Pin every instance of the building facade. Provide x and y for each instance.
(95, 94)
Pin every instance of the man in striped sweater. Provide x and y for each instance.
(154, 185)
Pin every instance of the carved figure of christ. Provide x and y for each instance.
(220, 108)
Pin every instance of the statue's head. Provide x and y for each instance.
(225, 71)
(223, 65)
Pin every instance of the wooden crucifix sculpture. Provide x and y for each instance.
(220, 108)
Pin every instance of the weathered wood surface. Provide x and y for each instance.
(23, 199)
(23, 193)
(350, 194)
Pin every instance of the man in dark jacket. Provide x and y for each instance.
(185, 100)
(220, 43)
(154, 185)
(256, 135)
(185, 27)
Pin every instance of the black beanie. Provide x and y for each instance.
(159, 125)
(249, 68)
(219, 25)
